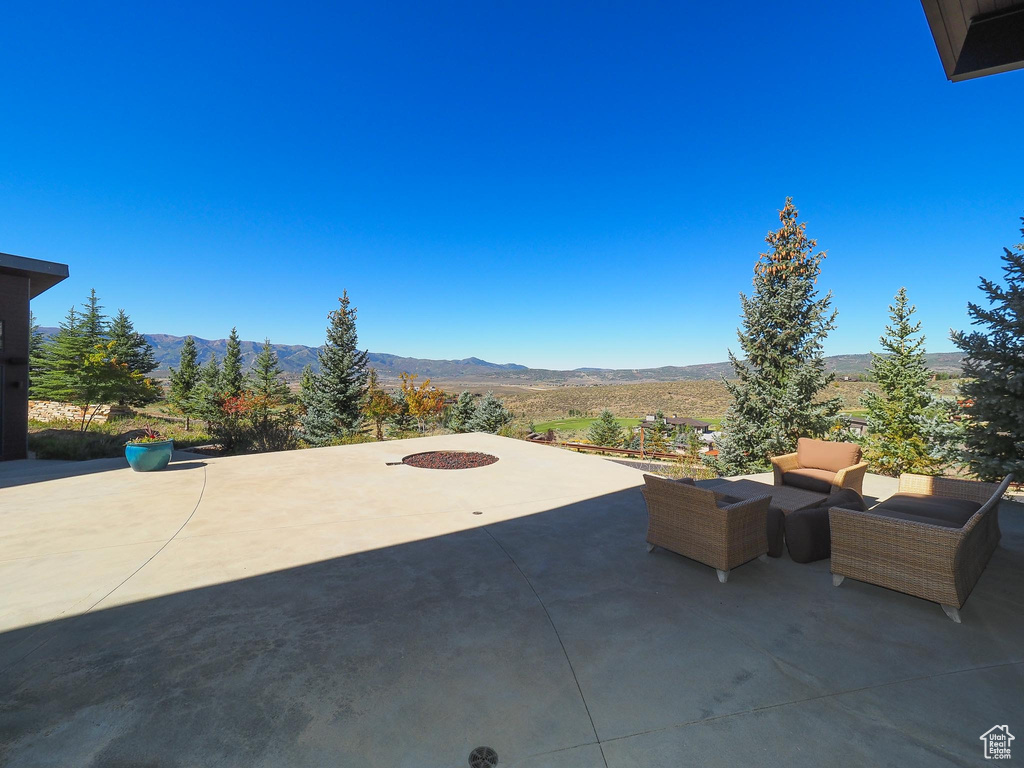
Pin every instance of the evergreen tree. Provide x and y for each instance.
(132, 349)
(60, 359)
(306, 382)
(74, 370)
(777, 394)
(689, 441)
(131, 346)
(265, 377)
(490, 415)
(267, 390)
(944, 428)
(232, 378)
(401, 419)
(183, 394)
(461, 413)
(994, 373)
(333, 401)
(606, 430)
(36, 350)
(94, 324)
(656, 436)
(895, 442)
(208, 400)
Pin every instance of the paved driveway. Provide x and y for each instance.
(322, 608)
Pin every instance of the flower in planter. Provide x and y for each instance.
(150, 436)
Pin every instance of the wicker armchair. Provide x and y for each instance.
(904, 545)
(695, 523)
(822, 466)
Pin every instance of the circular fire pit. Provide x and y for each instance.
(449, 460)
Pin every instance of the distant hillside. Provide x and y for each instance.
(294, 357)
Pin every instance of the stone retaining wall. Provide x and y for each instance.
(48, 411)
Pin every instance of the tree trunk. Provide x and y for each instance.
(95, 410)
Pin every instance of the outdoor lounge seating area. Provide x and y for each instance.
(315, 607)
(932, 539)
(821, 466)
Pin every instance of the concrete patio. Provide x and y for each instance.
(321, 607)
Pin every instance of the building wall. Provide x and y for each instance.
(14, 366)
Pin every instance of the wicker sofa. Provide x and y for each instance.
(710, 528)
(932, 539)
(821, 466)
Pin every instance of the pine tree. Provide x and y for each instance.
(36, 350)
(183, 395)
(461, 413)
(895, 442)
(95, 326)
(490, 416)
(777, 394)
(60, 359)
(208, 400)
(232, 378)
(268, 391)
(944, 428)
(606, 430)
(401, 420)
(75, 370)
(306, 383)
(690, 441)
(132, 349)
(265, 377)
(334, 398)
(994, 373)
(656, 436)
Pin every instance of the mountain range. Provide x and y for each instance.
(294, 357)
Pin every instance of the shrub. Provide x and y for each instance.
(74, 445)
(515, 429)
(64, 440)
(490, 415)
(247, 425)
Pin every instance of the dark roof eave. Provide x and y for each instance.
(42, 275)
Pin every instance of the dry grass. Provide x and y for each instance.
(64, 440)
(698, 399)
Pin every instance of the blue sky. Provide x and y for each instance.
(551, 184)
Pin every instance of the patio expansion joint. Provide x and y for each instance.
(124, 581)
(830, 695)
(561, 644)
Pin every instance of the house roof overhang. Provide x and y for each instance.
(42, 275)
(975, 38)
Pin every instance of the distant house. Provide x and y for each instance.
(698, 426)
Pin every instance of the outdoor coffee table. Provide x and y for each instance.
(785, 499)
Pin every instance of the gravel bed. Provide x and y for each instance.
(449, 460)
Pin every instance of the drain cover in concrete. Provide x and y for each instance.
(483, 757)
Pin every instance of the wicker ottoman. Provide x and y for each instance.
(808, 533)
